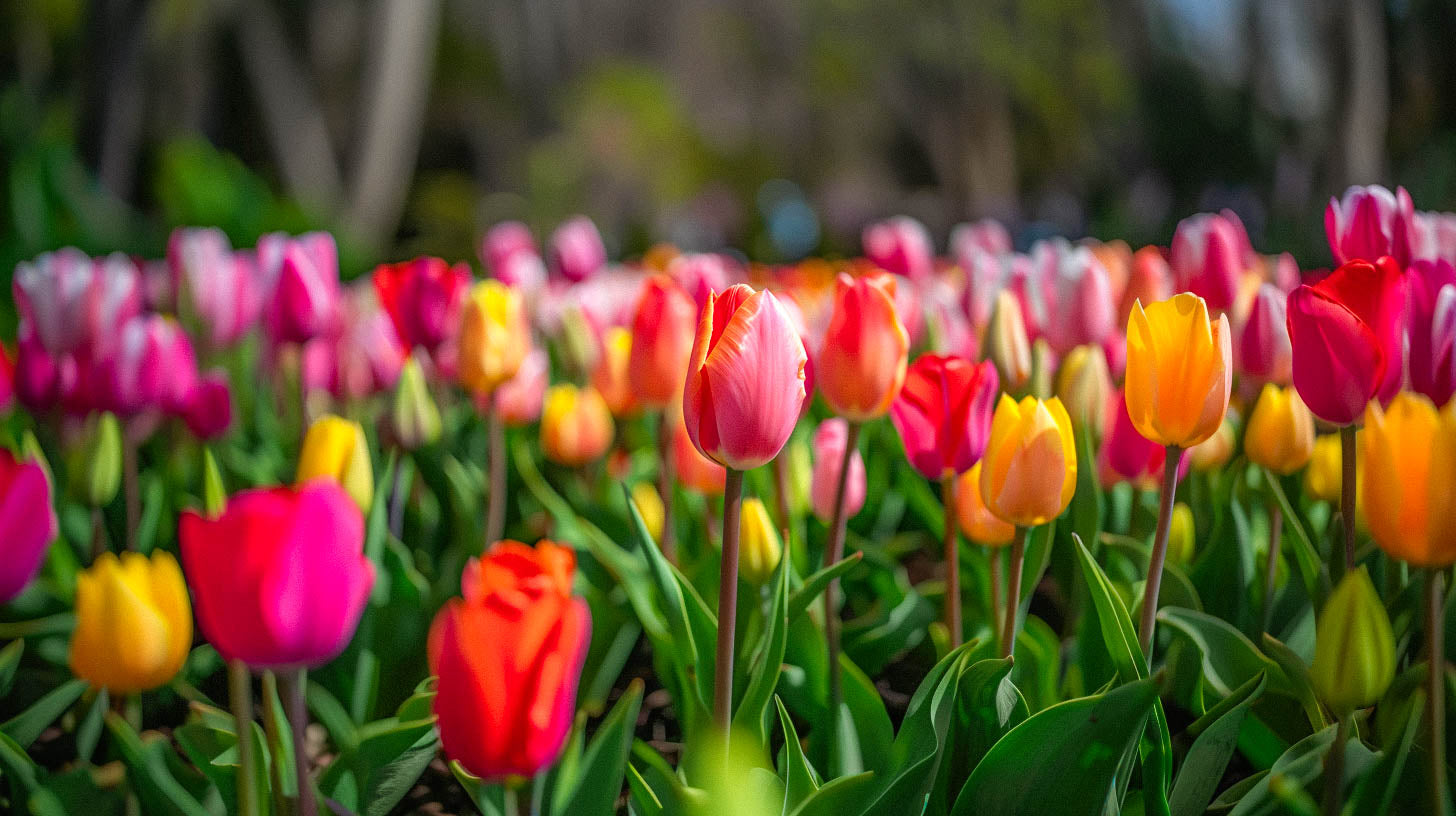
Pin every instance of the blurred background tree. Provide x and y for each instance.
(775, 126)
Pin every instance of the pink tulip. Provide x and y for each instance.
(42, 380)
(983, 272)
(1286, 274)
(509, 253)
(1433, 236)
(1370, 222)
(702, 274)
(900, 245)
(304, 276)
(1432, 312)
(943, 413)
(1207, 258)
(745, 382)
(1082, 311)
(1149, 280)
(519, 399)
(209, 409)
(27, 523)
(987, 235)
(1126, 455)
(152, 368)
(1029, 279)
(279, 579)
(577, 252)
(359, 354)
(221, 287)
(1262, 353)
(829, 442)
(76, 304)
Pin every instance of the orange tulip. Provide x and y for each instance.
(1179, 370)
(494, 336)
(610, 375)
(861, 366)
(1408, 479)
(976, 520)
(576, 426)
(661, 341)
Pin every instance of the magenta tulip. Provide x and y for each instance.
(152, 368)
(1368, 223)
(1082, 307)
(221, 287)
(829, 442)
(1432, 315)
(1207, 258)
(359, 354)
(209, 406)
(987, 235)
(1262, 353)
(702, 274)
(424, 298)
(900, 245)
(1433, 236)
(943, 413)
(27, 522)
(304, 276)
(577, 252)
(509, 251)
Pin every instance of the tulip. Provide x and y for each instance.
(280, 578)
(610, 376)
(1207, 258)
(153, 368)
(1007, 346)
(1323, 476)
(900, 245)
(987, 235)
(94, 460)
(761, 548)
(509, 252)
(576, 426)
(745, 381)
(335, 449)
(1368, 223)
(649, 506)
(209, 407)
(662, 339)
(1280, 433)
(861, 365)
(42, 380)
(983, 272)
(359, 355)
(423, 298)
(1084, 386)
(576, 249)
(1179, 371)
(508, 656)
(7, 381)
(27, 522)
(1354, 651)
(1149, 280)
(1263, 353)
(1083, 306)
(829, 445)
(74, 303)
(518, 400)
(943, 413)
(1409, 456)
(976, 520)
(1432, 314)
(1214, 452)
(133, 622)
(1181, 535)
(305, 290)
(494, 337)
(1127, 455)
(702, 274)
(221, 287)
(414, 418)
(1347, 334)
(1433, 236)
(695, 471)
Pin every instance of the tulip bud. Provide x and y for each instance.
(494, 336)
(1263, 352)
(423, 298)
(760, 548)
(1280, 434)
(1149, 280)
(1369, 222)
(663, 328)
(27, 520)
(1181, 536)
(1354, 648)
(1432, 314)
(610, 376)
(900, 245)
(577, 252)
(1083, 306)
(1206, 258)
(649, 506)
(977, 521)
(305, 296)
(414, 418)
(861, 364)
(1006, 343)
(1215, 451)
(209, 407)
(1322, 481)
(943, 413)
(133, 622)
(336, 449)
(829, 443)
(1084, 386)
(1179, 370)
(1407, 468)
(576, 427)
(94, 461)
(1030, 469)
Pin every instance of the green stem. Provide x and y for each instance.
(727, 601)
(240, 694)
(1160, 551)
(1271, 565)
(1347, 492)
(996, 582)
(1436, 690)
(833, 553)
(282, 804)
(1335, 769)
(495, 515)
(131, 486)
(950, 545)
(513, 801)
(294, 684)
(1013, 592)
(666, 480)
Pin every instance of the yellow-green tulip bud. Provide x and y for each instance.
(759, 547)
(133, 622)
(94, 461)
(1181, 538)
(1084, 385)
(1007, 346)
(1354, 650)
(414, 418)
(335, 448)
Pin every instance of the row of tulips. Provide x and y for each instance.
(1017, 384)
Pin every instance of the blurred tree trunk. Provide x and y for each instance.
(1364, 120)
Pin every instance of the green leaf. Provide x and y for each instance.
(390, 756)
(837, 797)
(26, 726)
(1087, 506)
(818, 582)
(214, 494)
(1312, 570)
(9, 661)
(146, 762)
(488, 799)
(1067, 754)
(763, 675)
(1229, 658)
(1298, 768)
(88, 733)
(209, 741)
(280, 739)
(866, 733)
(598, 780)
(19, 768)
(800, 780)
(1217, 735)
(641, 796)
(1297, 673)
(988, 705)
(919, 748)
(1375, 791)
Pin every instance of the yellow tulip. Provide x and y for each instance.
(758, 541)
(1182, 539)
(1084, 385)
(649, 506)
(978, 523)
(1322, 480)
(335, 448)
(1280, 434)
(1215, 451)
(1179, 370)
(576, 426)
(133, 622)
(494, 336)
(1007, 346)
(1030, 465)
(1408, 479)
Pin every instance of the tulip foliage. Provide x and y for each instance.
(1085, 529)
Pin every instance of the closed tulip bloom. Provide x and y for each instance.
(504, 249)
(1262, 353)
(759, 546)
(577, 252)
(700, 274)
(27, 522)
(1354, 647)
(423, 298)
(209, 410)
(576, 426)
(745, 380)
(1084, 386)
(1214, 452)
(943, 413)
(1149, 280)
(987, 235)
(494, 337)
(519, 399)
(1179, 370)
(829, 442)
(74, 303)
(663, 327)
(152, 367)
(649, 506)
(1083, 306)
(900, 245)
(1409, 480)
(1347, 332)
(1126, 455)
(221, 287)
(861, 364)
(1280, 433)
(335, 449)
(133, 622)
(508, 656)
(1432, 329)
(279, 579)
(695, 471)
(7, 381)
(610, 375)
(1030, 469)
(1206, 258)
(976, 520)
(359, 355)
(1322, 481)
(1182, 539)
(305, 292)
(1370, 222)
(414, 419)
(1007, 345)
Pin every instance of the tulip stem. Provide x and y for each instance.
(398, 492)
(1347, 492)
(1013, 592)
(952, 562)
(131, 486)
(996, 581)
(1436, 690)
(98, 534)
(1335, 769)
(666, 479)
(495, 514)
(1271, 565)
(727, 601)
(833, 553)
(294, 684)
(781, 496)
(1160, 551)
(240, 694)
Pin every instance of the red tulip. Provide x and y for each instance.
(423, 298)
(27, 522)
(900, 245)
(829, 441)
(1369, 223)
(1433, 329)
(508, 656)
(662, 338)
(861, 364)
(1262, 353)
(1207, 258)
(279, 579)
(943, 413)
(745, 381)
(577, 252)
(1347, 333)
(1149, 280)
(7, 381)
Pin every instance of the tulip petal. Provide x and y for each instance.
(754, 380)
